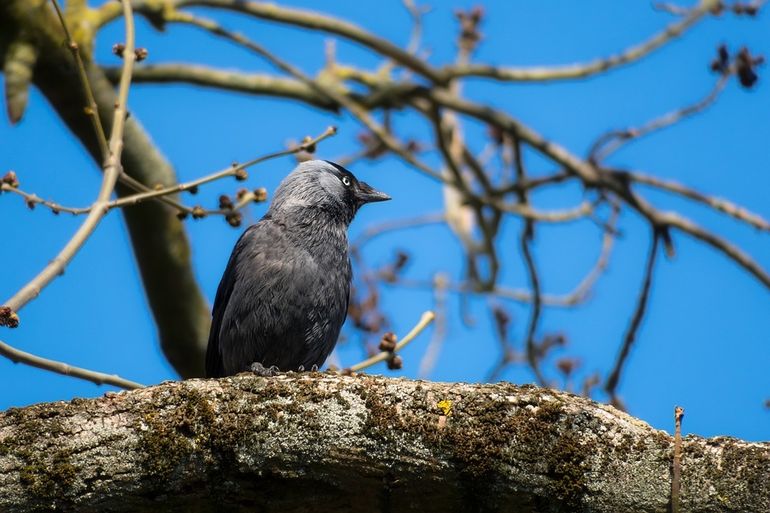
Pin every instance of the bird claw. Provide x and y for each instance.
(314, 368)
(260, 370)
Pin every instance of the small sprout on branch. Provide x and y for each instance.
(10, 179)
(198, 212)
(502, 321)
(308, 145)
(241, 193)
(118, 49)
(141, 54)
(241, 174)
(234, 218)
(8, 317)
(388, 342)
(193, 190)
(746, 67)
(567, 366)
(225, 202)
(181, 215)
(395, 362)
(469, 28)
(722, 62)
(260, 195)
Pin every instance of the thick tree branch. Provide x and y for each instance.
(325, 442)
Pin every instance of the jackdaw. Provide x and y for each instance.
(284, 294)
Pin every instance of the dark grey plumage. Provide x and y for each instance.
(284, 294)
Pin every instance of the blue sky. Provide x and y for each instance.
(704, 343)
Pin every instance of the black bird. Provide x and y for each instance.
(284, 294)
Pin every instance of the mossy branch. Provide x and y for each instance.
(325, 442)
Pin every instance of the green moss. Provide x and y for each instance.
(478, 436)
(47, 476)
(174, 437)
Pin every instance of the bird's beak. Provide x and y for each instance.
(368, 194)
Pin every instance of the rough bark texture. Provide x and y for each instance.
(158, 238)
(320, 442)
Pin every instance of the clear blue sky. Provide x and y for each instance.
(704, 344)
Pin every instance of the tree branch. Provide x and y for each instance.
(361, 443)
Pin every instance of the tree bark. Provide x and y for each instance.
(323, 442)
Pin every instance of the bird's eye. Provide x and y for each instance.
(346, 181)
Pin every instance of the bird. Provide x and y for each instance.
(284, 294)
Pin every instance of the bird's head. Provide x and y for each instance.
(324, 185)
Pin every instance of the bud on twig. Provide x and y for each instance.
(388, 342)
(10, 179)
(8, 317)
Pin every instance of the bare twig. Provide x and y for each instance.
(641, 306)
(100, 378)
(400, 224)
(423, 323)
(580, 293)
(162, 193)
(324, 89)
(612, 141)
(112, 169)
(676, 480)
(92, 109)
(719, 204)
(415, 12)
(234, 170)
(33, 199)
(584, 70)
(430, 356)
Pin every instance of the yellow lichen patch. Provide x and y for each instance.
(445, 405)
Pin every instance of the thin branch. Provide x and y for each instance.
(733, 252)
(33, 199)
(425, 320)
(641, 307)
(584, 70)
(100, 378)
(160, 194)
(229, 80)
(429, 357)
(525, 211)
(719, 204)
(612, 141)
(112, 169)
(92, 109)
(580, 293)
(537, 304)
(415, 37)
(324, 89)
(399, 224)
(218, 175)
(525, 240)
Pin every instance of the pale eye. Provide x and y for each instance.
(346, 181)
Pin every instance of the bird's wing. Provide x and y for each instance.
(261, 309)
(213, 356)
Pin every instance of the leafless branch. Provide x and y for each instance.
(636, 319)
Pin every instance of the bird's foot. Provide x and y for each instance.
(314, 368)
(260, 370)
